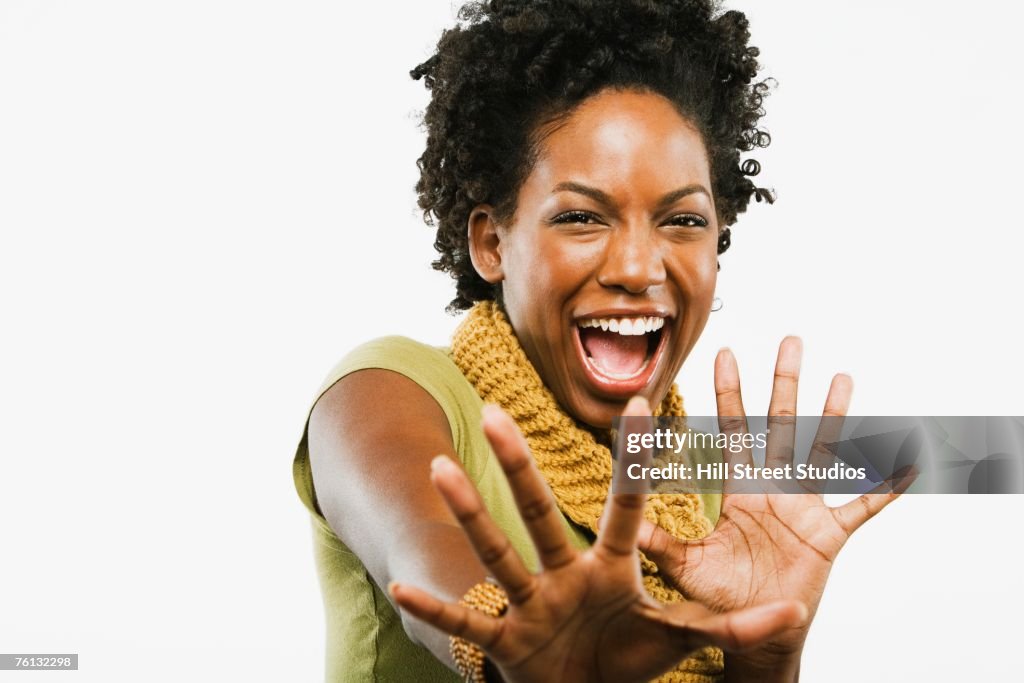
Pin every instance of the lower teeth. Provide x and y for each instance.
(618, 375)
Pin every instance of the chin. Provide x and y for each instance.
(599, 412)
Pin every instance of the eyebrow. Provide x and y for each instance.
(606, 199)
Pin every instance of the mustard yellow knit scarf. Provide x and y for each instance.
(576, 466)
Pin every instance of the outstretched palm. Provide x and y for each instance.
(768, 546)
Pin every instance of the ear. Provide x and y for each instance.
(485, 244)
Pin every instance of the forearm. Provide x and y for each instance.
(447, 570)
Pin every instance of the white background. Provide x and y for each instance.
(204, 204)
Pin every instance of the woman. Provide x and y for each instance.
(583, 171)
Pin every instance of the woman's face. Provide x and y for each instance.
(608, 268)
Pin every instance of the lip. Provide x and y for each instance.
(622, 388)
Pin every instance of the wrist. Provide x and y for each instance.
(766, 664)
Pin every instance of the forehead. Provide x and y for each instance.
(626, 142)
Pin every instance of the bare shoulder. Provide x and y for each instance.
(372, 436)
(374, 408)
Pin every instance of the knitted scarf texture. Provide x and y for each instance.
(577, 467)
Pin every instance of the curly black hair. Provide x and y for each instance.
(511, 66)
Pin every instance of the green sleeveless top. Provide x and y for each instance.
(365, 637)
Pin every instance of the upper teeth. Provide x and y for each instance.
(625, 326)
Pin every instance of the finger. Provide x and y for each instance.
(737, 630)
(852, 515)
(665, 550)
(824, 450)
(533, 497)
(731, 417)
(489, 542)
(454, 620)
(624, 511)
(782, 408)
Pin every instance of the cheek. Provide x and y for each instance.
(531, 276)
(697, 275)
(707, 277)
(547, 267)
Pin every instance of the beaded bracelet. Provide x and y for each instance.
(486, 597)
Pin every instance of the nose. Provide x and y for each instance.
(633, 260)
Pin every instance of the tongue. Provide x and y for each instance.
(613, 353)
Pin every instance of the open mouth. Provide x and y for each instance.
(620, 354)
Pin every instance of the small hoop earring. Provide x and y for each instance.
(716, 304)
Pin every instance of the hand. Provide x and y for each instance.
(584, 616)
(768, 547)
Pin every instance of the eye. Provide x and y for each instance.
(573, 217)
(687, 220)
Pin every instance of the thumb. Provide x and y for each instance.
(660, 546)
(743, 629)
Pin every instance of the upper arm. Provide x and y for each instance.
(372, 437)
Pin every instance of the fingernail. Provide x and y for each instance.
(489, 411)
(770, 609)
(903, 478)
(440, 462)
(637, 406)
